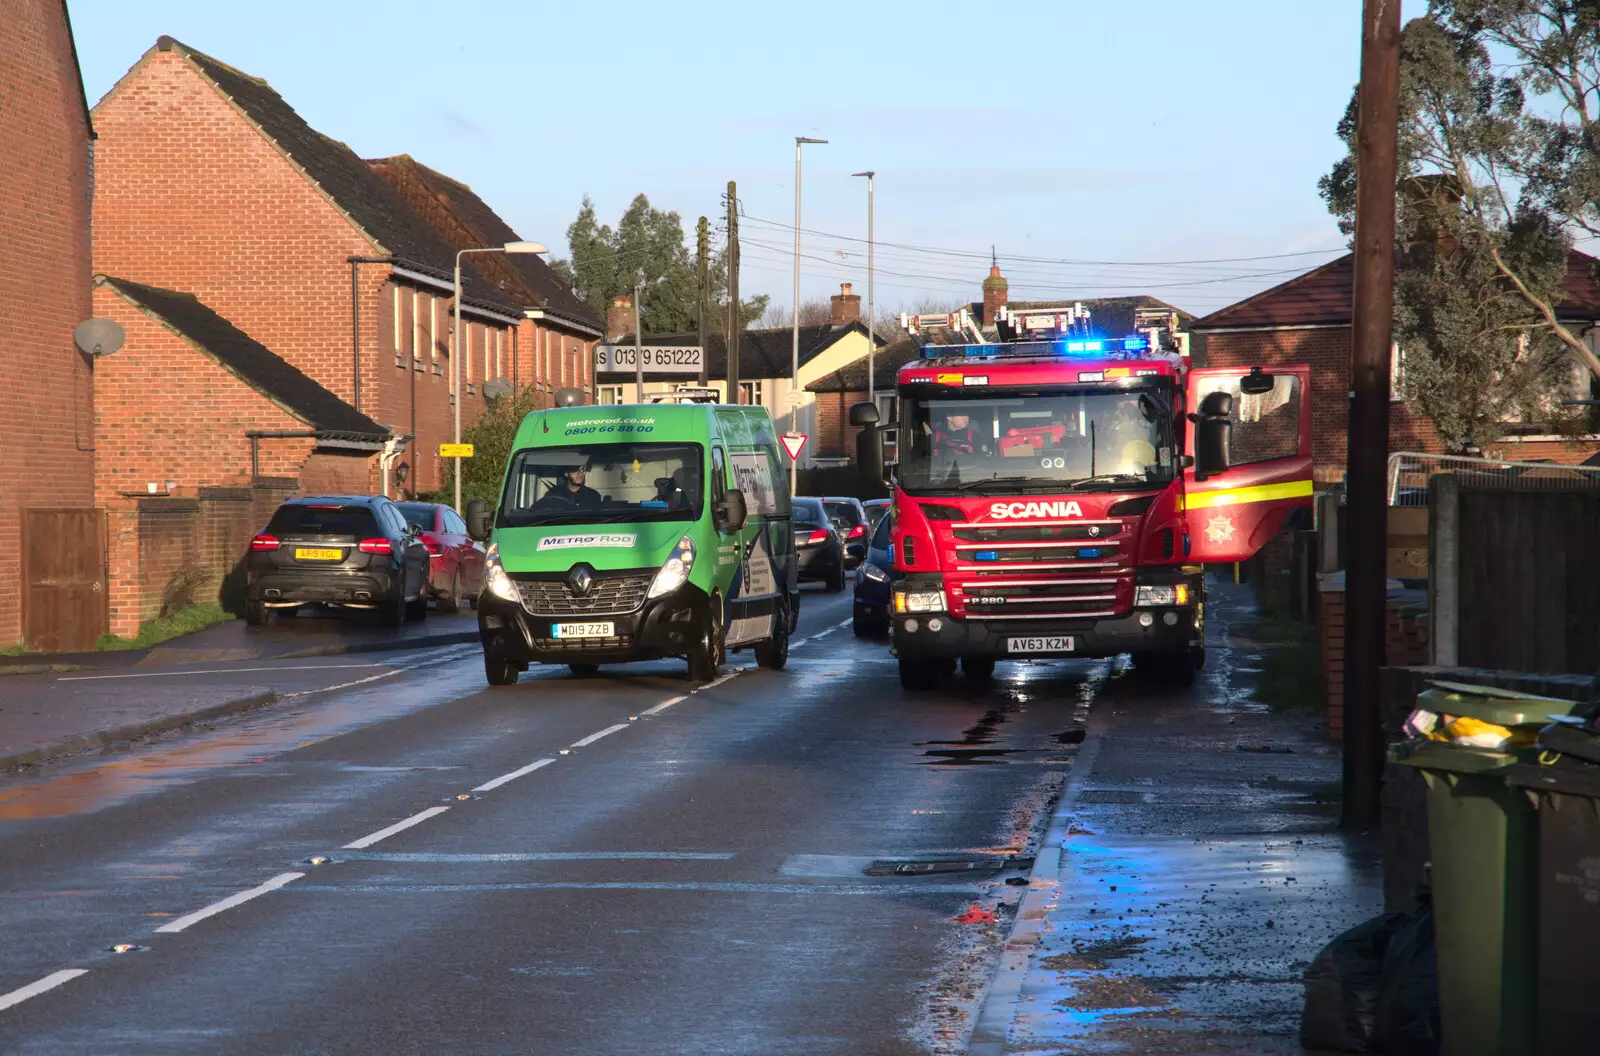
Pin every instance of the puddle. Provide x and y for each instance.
(1071, 736)
(982, 732)
(1095, 956)
(969, 756)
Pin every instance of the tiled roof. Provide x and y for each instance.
(249, 360)
(463, 219)
(1324, 296)
(762, 353)
(343, 176)
(886, 367)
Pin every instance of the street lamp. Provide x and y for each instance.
(794, 378)
(872, 341)
(455, 337)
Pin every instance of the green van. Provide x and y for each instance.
(634, 533)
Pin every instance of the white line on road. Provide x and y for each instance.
(490, 786)
(346, 685)
(608, 731)
(717, 682)
(664, 705)
(228, 903)
(798, 642)
(845, 623)
(34, 989)
(213, 671)
(399, 826)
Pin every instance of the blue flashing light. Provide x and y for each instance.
(986, 555)
(1135, 344)
(1089, 551)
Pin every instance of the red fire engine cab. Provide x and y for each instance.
(1057, 494)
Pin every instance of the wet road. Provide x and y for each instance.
(608, 865)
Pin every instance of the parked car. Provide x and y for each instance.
(876, 508)
(818, 545)
(455, 561)
(870, 617)
(849, 518)
(349, 551)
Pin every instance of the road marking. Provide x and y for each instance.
(346, 685)
(798, 642)
(490, 786)
(213, 671)
(845, 623)
(399, 826)
(548, 856)
(664, 705)
(880, 888)
(608, 731)
(717, 682)
(228, 903)
(34, 989)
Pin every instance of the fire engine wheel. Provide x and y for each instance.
(977, 666)
(919, 674)
(1173, 669)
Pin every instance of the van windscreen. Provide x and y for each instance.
(604, 483)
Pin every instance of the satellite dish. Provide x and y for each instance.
(571, 397)
(99, 337)
(497, 389)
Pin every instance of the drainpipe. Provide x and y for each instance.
(355, 322)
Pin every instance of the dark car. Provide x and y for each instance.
(350, 551)
(849, 518)
(870, 617)
(818, 545)
(876, 508)
(455, 560)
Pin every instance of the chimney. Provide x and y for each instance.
(846, 306)
(995, 292)
(619, 318)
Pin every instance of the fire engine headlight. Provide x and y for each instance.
(919, 601)
(499, 584)
(1177, 594)
(675, 572)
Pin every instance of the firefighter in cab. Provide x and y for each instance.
(955, 434)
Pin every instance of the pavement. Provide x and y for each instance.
(1191, 872)
(391, 857)
(55, 704)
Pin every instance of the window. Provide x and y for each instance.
(750, 392)
(297, 519)
(433, 329)
(420, 514)
(1265, 427)
(614, 482)
(453, 522)
(418, 334)
(719, 476)
(399, 345)
(610, 394)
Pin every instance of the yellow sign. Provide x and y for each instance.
(950, 379)
(455, 450)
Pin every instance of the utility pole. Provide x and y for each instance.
(735, 322)
(1376, 146)
(638, 339)
(794, 373)
(702, 252)
(872, 340)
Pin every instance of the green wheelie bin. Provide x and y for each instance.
(1483, 842)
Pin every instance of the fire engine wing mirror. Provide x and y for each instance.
(480, 519)
(863, 414)
(1212, 431)
(869, 446)
(1257, 382)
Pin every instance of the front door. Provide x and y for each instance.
(1232, 515)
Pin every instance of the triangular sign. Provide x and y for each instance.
(792, 443)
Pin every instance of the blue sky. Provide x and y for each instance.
(1159, 132)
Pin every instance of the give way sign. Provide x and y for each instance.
(792, 443)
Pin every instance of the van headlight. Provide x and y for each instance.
(675, 572)
(1177, 594)
(495, 578)
(873, 572)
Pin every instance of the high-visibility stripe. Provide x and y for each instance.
(1294, 489)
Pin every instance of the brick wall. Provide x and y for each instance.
(1327, 351)
(1405, 643)
(44, 256)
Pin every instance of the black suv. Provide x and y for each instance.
(354, 551)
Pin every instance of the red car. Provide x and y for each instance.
(456, 562)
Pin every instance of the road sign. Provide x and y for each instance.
(792, 443)
(455, 450)
(658, 359)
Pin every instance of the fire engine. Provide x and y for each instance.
(1057, 493)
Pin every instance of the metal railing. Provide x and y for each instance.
(1410, 471)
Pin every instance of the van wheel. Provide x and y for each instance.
(255, 612)
(706, 654)
(774, 652)
(500, 671)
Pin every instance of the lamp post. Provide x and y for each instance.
(794, 376)
(455, 336)
(872, 341)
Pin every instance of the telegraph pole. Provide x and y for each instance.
(1376, 146)
(735, 323)
(794, 372)
(638, 339)
(702, 252)
(872, 341)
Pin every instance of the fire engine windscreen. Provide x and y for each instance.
(1053, 441)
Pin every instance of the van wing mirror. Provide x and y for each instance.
(480, 520)
(731, 512)
(1213, 429)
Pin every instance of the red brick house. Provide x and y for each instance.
(201, 432)
(1307, 320)
(554, 345)
(210, 183)
(47, 463)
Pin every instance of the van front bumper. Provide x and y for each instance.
(662, 627)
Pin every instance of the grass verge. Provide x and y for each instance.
(165, 628)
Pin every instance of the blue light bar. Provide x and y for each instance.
(1135, 344)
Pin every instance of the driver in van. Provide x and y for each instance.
(571, 493)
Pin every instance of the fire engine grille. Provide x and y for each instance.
(612, 596)
(1031, 533)
(1042, 599)
(1050, 552)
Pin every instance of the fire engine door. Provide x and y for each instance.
(1231, 515)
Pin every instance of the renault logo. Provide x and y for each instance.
(580, 579)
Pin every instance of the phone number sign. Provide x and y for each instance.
(658, 359)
